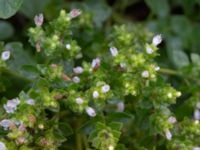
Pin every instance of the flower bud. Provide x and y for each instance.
(41, 126)
(68, 46)
(149, 50)
(21, 140)
(168, 134)
(145, 74)
(157, 68)
(79, 100)
(95, 94)
(111, 147)
(120, 106)
(114, 51)
(172, 120)
(198, 105)
(169, 95)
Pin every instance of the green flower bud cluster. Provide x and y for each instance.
(56, 39)
(105, 137)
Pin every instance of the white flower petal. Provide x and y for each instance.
(2, 146)
(95, 94)
(145, 74)
(79, 100)
(168, 134)
(78, 70)
(96, 63)
(149, 50)
(196, 148)
(120, 106)
(30, 102)
(68, 46)
(90, 111)
(172, 120)
(197, 114)
(157, 40)
(76, 79)
(105, 88)
(114, 51)
(75, 13)
(5, 55)
(38, 19)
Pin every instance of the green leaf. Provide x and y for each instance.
(31, 8)
(115, 125)
(175, 51)
(195, 58)
(9, 7)
(66, 129)
(179, 58)
(159, 7)
(6, 30)
(180, 24)
(99, 10)
(120, 117)
(19, 58)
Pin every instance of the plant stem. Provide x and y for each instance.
(78, 136)
(176, 73)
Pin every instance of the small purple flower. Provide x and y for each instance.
(96, 63)
(105, 88)
(197, 114)
(157, 40)
(95, 94)
(114, 51)
(5, 55)
(30, 101)
(5, 123)
(79, 100)
(78, 70)
(11, 105)
(196, 148)
(168, 134)
(149, 50)
(39, 20)
(75, 13)
(76, 79)
(2, 146)
(172, 120)
(145, 74)
(157, 68)
(68, 46)
(120, 106)
(90, 111)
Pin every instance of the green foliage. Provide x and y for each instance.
(9, 7)
(84, 81)
(5, 26)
